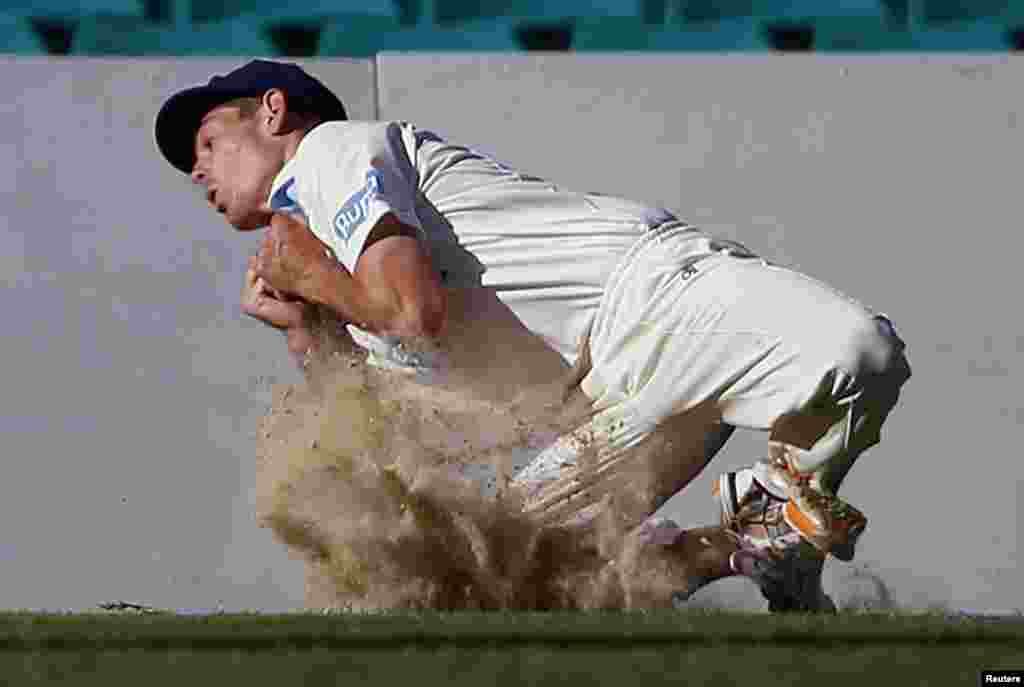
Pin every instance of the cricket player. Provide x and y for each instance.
(682, 333)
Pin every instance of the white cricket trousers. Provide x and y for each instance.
(695, 337)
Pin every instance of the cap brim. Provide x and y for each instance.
(179, 120)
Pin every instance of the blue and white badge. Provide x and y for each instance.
(286, 200)
(355, 210)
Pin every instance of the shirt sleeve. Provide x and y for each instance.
(349, 176)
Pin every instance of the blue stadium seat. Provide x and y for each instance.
(734, 35)
(1012, 17)
(792, 29)
(926, 13)
(70, 9)
(847, 26)
(710, 11)
(344, 39)
(975, 36)
(840, 36)
(701, 11)
(705, 11)
(292, 10)
(301, 10)
(449, 12)
(126, 36)
(820, 9)
(295, 27)
(17, 37)
(825, 25)
(219, 10)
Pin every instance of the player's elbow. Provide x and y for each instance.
(422, 316)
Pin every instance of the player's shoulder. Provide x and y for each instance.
(328, 135)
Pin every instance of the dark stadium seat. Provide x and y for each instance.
(17, 37)
(107, 35)
(341, 38)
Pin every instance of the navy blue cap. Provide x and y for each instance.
(179, 118)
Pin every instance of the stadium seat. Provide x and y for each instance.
(793, 28)
(295, 28)
(927, 13)
(127, 36)
(344, 39)
(297, 10)
(71, 9)
(848, 26)
(813, 9)
(1012, 19)
(292, 10)
(975, 36)
(734, 35)
(832, 35)
(452, 12)
(17, 37)
(704, 11)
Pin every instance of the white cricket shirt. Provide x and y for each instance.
(546, 251)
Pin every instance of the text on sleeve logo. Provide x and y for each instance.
(357, 207)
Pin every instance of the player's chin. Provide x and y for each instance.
(247, 222)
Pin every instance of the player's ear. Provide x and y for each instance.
(274, 111)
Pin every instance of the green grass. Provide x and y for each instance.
(504, 649)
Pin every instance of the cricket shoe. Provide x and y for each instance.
(785, 566)
(826, 521)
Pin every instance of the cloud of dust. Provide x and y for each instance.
(863, 589)
(396, 495)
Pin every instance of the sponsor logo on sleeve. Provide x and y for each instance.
(355, 210)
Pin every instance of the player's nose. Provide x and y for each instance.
(198, 175)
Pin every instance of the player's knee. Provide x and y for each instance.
(878, 352)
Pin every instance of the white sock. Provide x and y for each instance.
(762, 472)
(744, 480)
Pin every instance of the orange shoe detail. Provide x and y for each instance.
(830, 524)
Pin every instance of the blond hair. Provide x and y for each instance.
(247, 107)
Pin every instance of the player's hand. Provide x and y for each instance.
(269, 305)
(290, 255)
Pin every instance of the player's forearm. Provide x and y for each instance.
(384, 310)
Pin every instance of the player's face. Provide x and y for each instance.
(236, 164)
